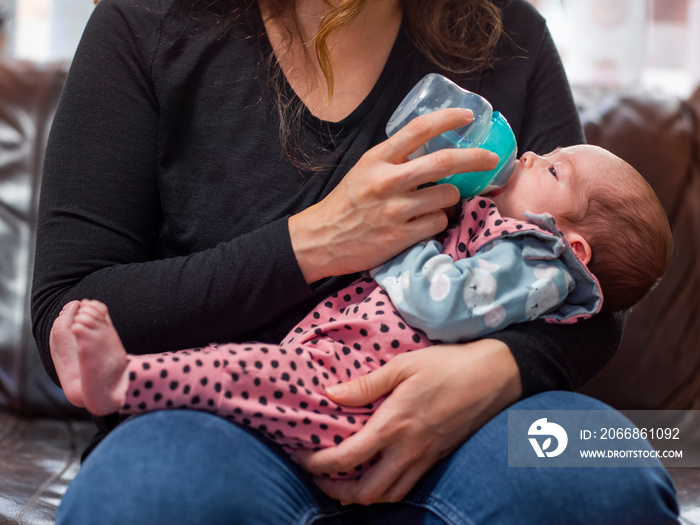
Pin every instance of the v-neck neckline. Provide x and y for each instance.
(360, 111)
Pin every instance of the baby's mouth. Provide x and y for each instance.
(498, 191)
(513, 175)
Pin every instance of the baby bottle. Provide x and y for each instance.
(488, 130)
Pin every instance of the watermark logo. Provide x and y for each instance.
(602, 438)
(541, 428)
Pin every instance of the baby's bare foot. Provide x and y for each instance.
(103, 359)
(64, 353)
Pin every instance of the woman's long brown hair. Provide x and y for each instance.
(456, 36)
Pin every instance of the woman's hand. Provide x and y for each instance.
(439, 396)
(377, 210)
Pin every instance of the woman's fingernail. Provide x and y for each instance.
(493, 158)
(467, 112)
(337, 390)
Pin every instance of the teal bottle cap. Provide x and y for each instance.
(499, 140)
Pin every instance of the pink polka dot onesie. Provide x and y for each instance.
(432, 292)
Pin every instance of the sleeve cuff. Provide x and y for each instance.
(561, 357)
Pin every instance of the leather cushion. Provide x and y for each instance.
(658, 364)
(29, 93)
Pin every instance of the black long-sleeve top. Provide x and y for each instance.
(165, 194)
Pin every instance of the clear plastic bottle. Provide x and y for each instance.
(488, 130)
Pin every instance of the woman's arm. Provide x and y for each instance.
(102, 220)
(107, 203)
(440, 395)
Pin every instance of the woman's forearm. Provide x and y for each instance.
(109, 209)
(562, 357)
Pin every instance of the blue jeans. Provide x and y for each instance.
(182, 467)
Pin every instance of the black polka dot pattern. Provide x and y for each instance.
(279, 390)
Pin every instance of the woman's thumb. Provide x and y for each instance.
(367, 388)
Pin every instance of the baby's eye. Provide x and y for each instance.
(553, 171)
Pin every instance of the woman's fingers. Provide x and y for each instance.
(432, 198)
(408, 479)
(439, 164)
(356, 450)
(388, 481)
(367, 388)
(426, 226)
(445, 162)
(420, 130)
(366, 444)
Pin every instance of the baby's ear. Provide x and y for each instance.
(580, 246)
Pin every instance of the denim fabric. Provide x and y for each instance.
(186, 467)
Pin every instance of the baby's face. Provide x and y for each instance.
(554, 183)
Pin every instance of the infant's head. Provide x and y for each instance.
(610, 215)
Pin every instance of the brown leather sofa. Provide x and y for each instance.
(658, 366)
(41, 435)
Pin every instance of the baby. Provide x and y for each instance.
(567, 225)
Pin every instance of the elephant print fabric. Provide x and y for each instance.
(487, 272)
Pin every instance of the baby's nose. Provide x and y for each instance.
(527, 159)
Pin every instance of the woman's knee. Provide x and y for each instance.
(185, 467)
(476, 484)
(639, 493)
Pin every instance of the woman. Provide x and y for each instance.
(223, 161)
